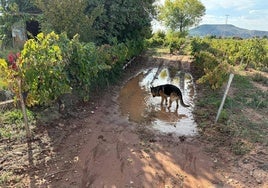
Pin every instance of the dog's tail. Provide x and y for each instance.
(182, 103)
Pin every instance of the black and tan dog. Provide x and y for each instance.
(166, 91)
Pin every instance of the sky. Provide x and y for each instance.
(247, 14)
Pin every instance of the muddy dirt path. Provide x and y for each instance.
(129, 140)
(126, 139)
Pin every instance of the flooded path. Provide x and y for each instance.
(137, 103)
(114, 142)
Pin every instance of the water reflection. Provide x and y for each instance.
(138, 104)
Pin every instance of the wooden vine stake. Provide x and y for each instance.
(24, 112)
(224, 97)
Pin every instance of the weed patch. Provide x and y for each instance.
(243, 120)
(258, 77)
(240, 148)
(12, 123)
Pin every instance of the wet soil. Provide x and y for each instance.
(137, 103)
(125, 138)
(130, 141)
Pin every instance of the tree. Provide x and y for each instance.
(70, 17)
(123, 20)
(99, 21)
(180, 14)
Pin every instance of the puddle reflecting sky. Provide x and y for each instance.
(137, 103)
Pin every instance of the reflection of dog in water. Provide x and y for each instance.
(166, 91)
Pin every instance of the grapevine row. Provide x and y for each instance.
(218, 57)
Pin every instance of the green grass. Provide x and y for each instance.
(258, 77)
(8, 178)
(158, 51)
(247, 110)
(243, 121)
(12, 124)
(211, 99)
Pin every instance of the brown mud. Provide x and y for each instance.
(134, 142)
(124, 138)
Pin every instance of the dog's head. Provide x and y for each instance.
(154, 91)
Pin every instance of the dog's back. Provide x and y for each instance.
(168, 90)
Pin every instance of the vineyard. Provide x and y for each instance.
(217, 58)
(52, 65)
(243, 122)
(76, 108)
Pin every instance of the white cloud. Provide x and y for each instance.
(239, 5)
(252, 23)
(228, 4)
(258, 13)
(212, 19)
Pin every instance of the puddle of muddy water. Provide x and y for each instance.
(137, 103)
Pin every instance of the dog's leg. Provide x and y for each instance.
(172, 98)
(177, 100)
(162, 100)
(166, 100)
(170, 101)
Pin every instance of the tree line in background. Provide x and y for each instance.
(98, 21)
(78, 42)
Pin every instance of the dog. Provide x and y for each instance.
(168, 90)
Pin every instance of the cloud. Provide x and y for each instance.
(258, 13)
(238, 5)
(212, 19)
(228, 4)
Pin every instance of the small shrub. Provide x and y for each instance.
(15, 117)
(158, 39)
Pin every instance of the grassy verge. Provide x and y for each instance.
(11, 131)
(243, 121)
(12, 124)
(252, 104)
